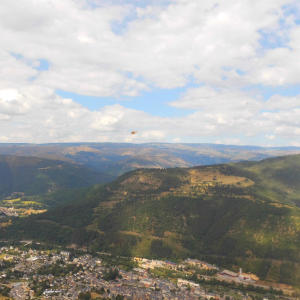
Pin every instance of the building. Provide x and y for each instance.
(228, 273)
(186, 283)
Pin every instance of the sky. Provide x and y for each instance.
(183, 71)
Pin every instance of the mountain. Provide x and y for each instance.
(240, 214)
(115, 159)
(31, 176)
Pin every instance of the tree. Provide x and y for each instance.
(84, 296)
(112, 274)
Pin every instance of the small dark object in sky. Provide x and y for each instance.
(133, 132)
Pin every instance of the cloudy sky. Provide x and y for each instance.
(174, 71)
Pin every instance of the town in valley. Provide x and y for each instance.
(31, 271)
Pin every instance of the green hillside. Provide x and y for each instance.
(278, 178)
(31, 176)
(242, 214)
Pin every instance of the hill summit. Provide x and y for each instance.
(233, 214)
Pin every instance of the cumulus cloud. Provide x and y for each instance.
(38, 114)
(163, 45)
(283, 103)
(223, 100)
(121, 48)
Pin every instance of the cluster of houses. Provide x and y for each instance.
(138, 283)
(237, 277)
(200, 264)
(135, 284)
(8, 212)
(154, 263)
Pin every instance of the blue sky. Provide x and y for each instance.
(154, 102)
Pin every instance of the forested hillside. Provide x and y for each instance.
(31, 176)
(243, 214)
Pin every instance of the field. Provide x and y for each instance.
(22, 206)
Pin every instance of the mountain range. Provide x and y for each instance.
(114, 159)
(238, 214)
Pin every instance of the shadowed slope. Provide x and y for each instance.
(243, 213)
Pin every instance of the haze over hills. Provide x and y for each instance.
(117, 176)
(244, 214)
(117, 158)
(35, 177)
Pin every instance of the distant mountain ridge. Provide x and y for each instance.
(115, 159)
(245, 214)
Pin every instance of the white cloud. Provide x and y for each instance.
(222, 100)
(283, 103)
(164, 45)
(36, 114)
(14, 72)
(115, 49)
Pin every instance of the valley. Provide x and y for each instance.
(58, 273)
(234, 215)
